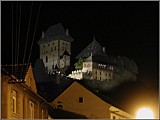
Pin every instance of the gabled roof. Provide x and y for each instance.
(18, 70)
(63, 114)
(99, 58)
(94, 47)
(55, 32)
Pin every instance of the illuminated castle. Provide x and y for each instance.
(96, 65)
(55, 47)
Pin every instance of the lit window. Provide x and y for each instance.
(80, 99)
(14, 101)
(42, 113)
(29, 82)
(31, 109)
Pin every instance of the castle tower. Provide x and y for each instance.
(55, 47)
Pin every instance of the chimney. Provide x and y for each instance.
(104, 49)
(67, 32)
(42, 34)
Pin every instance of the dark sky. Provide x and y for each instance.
(125, 28)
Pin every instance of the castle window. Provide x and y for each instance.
(46, 59)
(63, 48)
(51, 49)
(46, 68)
(80, 99)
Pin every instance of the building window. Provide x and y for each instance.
(114, 117)
(55, 48)
(42, 113)
(100, 78)
(51, 49)
(80, 99)
(44, 46)
(100, 73)
(63, 48)
(53, 43)
(29, 82)
(95, 72)
(14, 101)
(46, 59)
(31, 109)
(46, 68)
(48, 44)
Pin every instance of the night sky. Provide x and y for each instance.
(125, 28)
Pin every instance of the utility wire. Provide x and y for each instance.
(19, 32)
(27, 36)
(16, 35)
(34, 33)
(12, 37)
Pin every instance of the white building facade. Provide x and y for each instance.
(55, 47)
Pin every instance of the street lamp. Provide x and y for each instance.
(144, 113)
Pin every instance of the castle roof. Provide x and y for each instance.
(55, 32)
(94, 47)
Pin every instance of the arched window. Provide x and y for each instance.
(46, 59)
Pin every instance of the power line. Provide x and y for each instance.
(34, 33)
(27, 36)
(19, 32)
(12, 37)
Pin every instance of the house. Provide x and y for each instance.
(82, 100)
(55, 47)
(19, 94)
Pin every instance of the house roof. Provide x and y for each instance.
(63, 114)
(94, 47)
(55, 32)
(18, 70)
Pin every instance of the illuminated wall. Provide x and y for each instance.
(78, 99)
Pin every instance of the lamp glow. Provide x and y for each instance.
(144, 113)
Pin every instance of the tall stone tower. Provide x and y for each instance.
(55, 47)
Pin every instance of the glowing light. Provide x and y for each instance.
(144, 113)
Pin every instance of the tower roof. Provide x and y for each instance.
(55, 32)
(94, 47)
